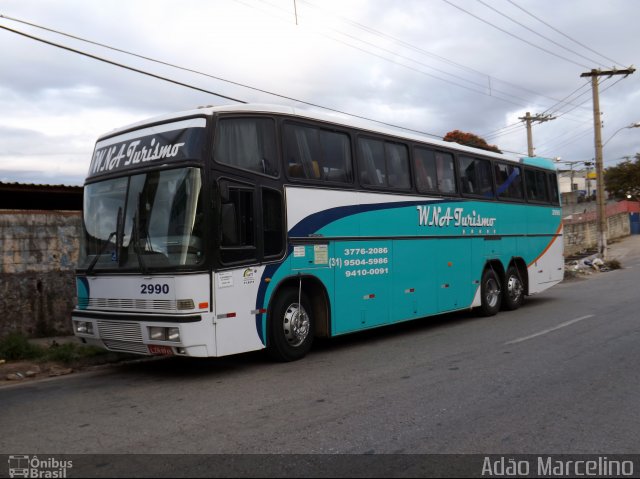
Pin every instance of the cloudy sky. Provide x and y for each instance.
(428, 65)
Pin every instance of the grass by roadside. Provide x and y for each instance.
(22, 359)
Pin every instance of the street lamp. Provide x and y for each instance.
(632, 125)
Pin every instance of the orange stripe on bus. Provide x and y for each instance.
(548, 246)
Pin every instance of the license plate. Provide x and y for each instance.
(160, 350)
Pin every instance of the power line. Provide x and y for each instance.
(566, 97)
(504, 131)
(111, 62)
(384, 35)
(514, 35)
(396, 54)
(563, 34)
(95, 57)
(537, 33)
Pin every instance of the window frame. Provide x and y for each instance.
(552, 181)
(522, 199)
(319, 127)
(384, 140)
(435, 152)
(276, 142)
(477, 196)
(233, 183)
(537, 171)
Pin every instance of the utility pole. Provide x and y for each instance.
(528, 119)
(597, 126)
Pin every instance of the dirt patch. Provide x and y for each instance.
(28, 370)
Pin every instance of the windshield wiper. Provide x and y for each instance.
(106, 243)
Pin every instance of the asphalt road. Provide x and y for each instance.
(560, 375)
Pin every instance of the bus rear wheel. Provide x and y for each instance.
(291, 326)
(513, 289)
(490, 292)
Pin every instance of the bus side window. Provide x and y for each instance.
(237, 226)
(302, 151)
(553, 187)
(372, 163)
(475, 177)
(508, 181)
(424, 163)
(247, 143)
(536, 186)
(272, 222)
(336, 156)
(446, 173)
(397, 165)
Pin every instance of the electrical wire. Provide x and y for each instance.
(563, 34)
(153, 75)
(121, 65)
(515, 36)
(538, 33)
(422, 51)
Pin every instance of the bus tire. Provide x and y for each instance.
(513, 295)
(491, 294)
(290, 326)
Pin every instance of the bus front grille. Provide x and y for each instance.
(128, 304)
(126, 347)
(120, 331)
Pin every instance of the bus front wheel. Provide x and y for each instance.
(491, 293)
(290, 326)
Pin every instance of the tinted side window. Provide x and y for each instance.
(247, 143)
(336, 156)
(397, 165)
(383, 163)
(553, 189)
(475, 177)
(302, 152)
(434, 171)
(509, 181)
(317, 154)
(424, 164)
(237, 226)
(446, 173)
(536, 182)
(371, 162)
(272, 222)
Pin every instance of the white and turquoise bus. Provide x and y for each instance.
(230, 229)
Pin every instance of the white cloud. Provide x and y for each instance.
(342, 54)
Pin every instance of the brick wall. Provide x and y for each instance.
(38, 254)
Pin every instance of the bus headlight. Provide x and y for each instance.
(84, 327)
(173, 334)
(157, 333)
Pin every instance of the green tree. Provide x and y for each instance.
(469, 139)
(624, 179)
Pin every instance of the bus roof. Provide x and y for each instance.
(331, 117)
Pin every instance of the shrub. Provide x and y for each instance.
(16, 346)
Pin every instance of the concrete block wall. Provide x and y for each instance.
(38, 255)
(582, 235)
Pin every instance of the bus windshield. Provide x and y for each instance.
(152, 220)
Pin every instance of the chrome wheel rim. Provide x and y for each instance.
(492, 292)
(514, 289)
(296, 325)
